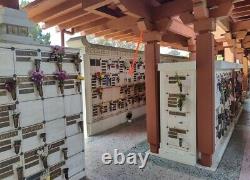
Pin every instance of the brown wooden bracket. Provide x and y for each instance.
(65, 153)
(43, 137)
(66, 173)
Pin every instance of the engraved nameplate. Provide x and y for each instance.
(7, 107)
(8, 135)
(9, 161)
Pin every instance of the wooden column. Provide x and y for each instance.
(14, 4)
(152, 58)
(205, 96)
(245, 71)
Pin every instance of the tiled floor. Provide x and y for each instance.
(234, 165)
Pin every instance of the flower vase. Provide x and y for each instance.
(13, 93)
(20, 173)
(80, 124)
(180, 86)
(66, 173)
(40, 90)
(15, 117)
(17, 145)
(61, 86)
(78, 86)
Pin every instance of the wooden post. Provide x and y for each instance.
(205, 96)
(62, 38)
(152, 58)
(245, 71)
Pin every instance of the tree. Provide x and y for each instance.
(36, 32)
(174, 52)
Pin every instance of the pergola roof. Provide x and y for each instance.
(123, 19)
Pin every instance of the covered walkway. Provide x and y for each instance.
(234, 165)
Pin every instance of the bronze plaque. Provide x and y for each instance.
(48, 83)
(69, 87)
(71, 122)
(55, 174)
(4, 119)
(32, 128)
(29, 135)
(32, 158)
(7, 107)
(26, 91)
(9, 162)
(30, 85)
(32, 164)
(6, 174)
(57, 144)
(6, 169)
(177, 113)
(78, 116)
(8, 135)
(6, 148)
(2, 114)
(57, 166)
(26, 53)
(51, 151)
(4, 143)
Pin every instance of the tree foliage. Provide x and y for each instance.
(36, 32)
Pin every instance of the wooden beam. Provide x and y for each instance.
(240, 10)
(223, 10)
(242, 4)
(241, 34)
(200, 9)
(181, 29)
(137, 9)
(202, 25)
(94, 4)
(115, 34)
(63, 8)
(65, 18)
(174, 38)
(122, 23)
(85, 19)
(172, 8)
(105, 32)
(187, 18)
(243, 25)
(95, 29)
(90, 25)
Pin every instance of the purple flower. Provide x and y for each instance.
(37, 77)
(61, 75)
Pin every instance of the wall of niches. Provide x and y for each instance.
(41, 127)
(111, 92)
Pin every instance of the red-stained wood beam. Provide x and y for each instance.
(223, 10)
(63, 8)
(187, 18)
(137, 9)
(152, 58)
(243, 25)
(240, 10)
(205, 93)
(242, 4)
(85, 19)
(90, 25)
(181, 29)
(118, 34)
(105, 32)
(172, 8)
(174, 38)
(65, 17)
(96, 29)
(123, 23)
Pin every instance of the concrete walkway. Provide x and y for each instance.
(234, 165)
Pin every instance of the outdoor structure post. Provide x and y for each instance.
(245, 72)
(63, 38)
(152, 58)
(205, 96)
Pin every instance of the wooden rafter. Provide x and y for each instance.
(85, 19)
(65, 17)
(62, 8)
(90, 24)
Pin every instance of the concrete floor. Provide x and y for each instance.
(131, 138)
